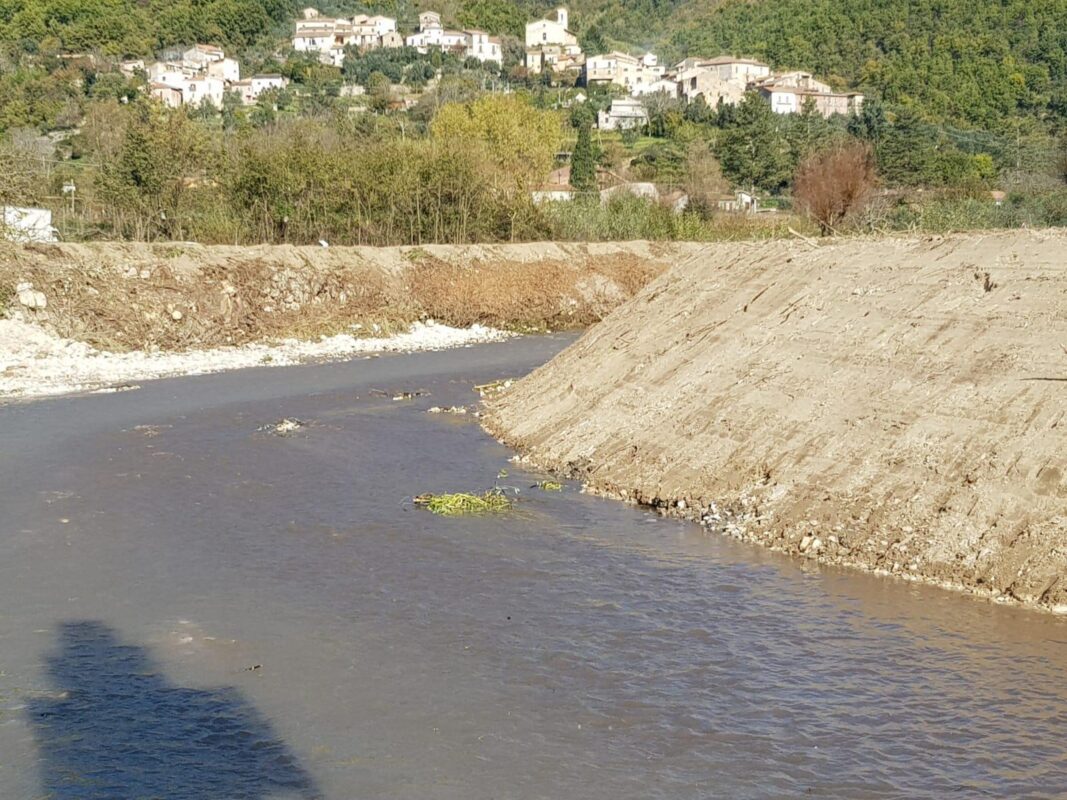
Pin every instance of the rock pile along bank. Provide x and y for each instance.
(897, 405)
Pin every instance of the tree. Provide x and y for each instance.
(703, 178)
(379, 92)
(519, 143)
(907, 150)
(494, 16)
(835, 184)
(752, 150)
(522, 141)
(592, 41)
(145, 184)
(583, 162)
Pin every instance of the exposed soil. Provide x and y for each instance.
(898, 405)
(180, 296)
(103, 315)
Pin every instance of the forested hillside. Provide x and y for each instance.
(135, 27)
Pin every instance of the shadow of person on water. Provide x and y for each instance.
(118, 729)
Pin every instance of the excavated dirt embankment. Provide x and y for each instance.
(896, 405)
(90, 317)
(180, 296)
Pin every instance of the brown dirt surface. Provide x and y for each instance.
(898, 405)
(180, 296)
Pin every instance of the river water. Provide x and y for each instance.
(194, 609)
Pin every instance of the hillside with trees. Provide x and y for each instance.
(397, 146)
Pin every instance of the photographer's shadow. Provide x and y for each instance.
(118, 729)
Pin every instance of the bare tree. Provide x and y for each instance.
(835, 184)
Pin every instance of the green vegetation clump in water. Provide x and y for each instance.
(550, 486)
(491, 502)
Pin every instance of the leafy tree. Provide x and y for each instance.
(519, 139)
(494, 16)
(519, 143)
(592, 41)
(144, 184)
(379, 92)
(752, 150)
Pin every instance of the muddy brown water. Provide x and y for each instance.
(195, 609)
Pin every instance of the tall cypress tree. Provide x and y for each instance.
(583, 161)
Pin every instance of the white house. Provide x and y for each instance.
(639, 76)
(432, 34)
(198, 91)
(667, 86)
(482, 46)
(624, 113)
(227, 69)
(167, 74)
(195, 75)
(251, 88)
(468, 44)
(788, 100)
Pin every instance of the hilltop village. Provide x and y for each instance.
(205, 74)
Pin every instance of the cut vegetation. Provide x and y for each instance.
(493, 501)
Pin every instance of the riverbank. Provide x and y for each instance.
(894, 405)
(83, 316)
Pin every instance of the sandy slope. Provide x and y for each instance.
(897, 405)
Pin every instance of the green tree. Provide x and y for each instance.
(379, 92)
(752, 150)
(494, 16)
(583, 162)
(146, 184)
(907, 150)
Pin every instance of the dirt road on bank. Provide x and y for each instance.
(896, 405)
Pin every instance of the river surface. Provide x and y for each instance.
(194, 609)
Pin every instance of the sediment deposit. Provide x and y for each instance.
(898, 405)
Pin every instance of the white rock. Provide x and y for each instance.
(32, 299)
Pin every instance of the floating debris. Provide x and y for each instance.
(550, 486)
(449, 410)
(493, 387)
(491, 502)
(283, 427)
(411, 395)
(502, 474)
